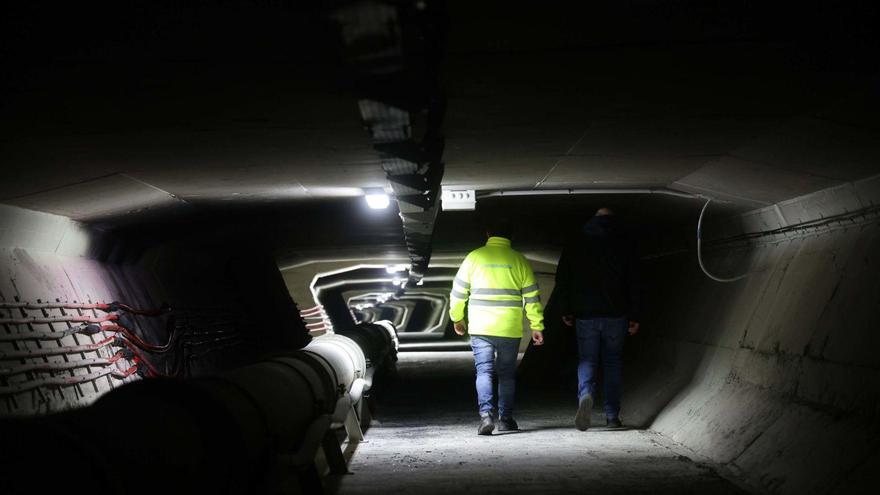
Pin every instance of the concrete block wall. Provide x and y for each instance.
(776, 376)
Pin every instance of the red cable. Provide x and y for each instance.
(125, 374)
(29, 305)
(139, 358)
(57, 381)
(59, 319)
(18, 369)
(97, 306)
(150, 369)
(54, 351)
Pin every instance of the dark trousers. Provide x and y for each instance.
(600, 341)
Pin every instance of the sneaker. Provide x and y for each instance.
(507, 424)
(585, 409)
(613, 422)
(487, 424)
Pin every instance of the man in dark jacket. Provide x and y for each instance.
(598, 288)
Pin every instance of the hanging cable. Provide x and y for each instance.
(55, 351)
(141, 343)
(135, 355)
(700, 250)
(67, 365)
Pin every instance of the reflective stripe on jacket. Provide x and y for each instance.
(496, 283)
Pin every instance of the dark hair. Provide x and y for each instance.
(499, 227)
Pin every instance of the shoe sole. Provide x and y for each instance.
(501, 428)
(585, 410)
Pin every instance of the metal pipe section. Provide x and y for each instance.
(551, 192)
(342, 358)
(378, 340)
(253, 429)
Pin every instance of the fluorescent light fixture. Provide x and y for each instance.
(377, 199)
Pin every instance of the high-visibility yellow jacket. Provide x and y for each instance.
(496, 283)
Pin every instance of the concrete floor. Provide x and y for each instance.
(423, 440)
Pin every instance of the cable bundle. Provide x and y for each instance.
(317, 320)
(116, 326)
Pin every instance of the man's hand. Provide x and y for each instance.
(460, 327)
(568, 320)
(537, 337)
(633, 327)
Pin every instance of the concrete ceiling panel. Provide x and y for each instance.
(817, 147)
(495, 175)
(705, 118)
(215, 165)
(749, 183)
(105, 196)
(621, 171)
(703, 135)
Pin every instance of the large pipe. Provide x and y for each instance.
(378, 339)
(342, 358)
(249, 430)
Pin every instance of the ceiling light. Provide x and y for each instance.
(396, 268)
(377, 199)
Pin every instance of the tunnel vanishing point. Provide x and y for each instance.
(231, 234)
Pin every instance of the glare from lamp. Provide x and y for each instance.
(377, 201)
(396, 268)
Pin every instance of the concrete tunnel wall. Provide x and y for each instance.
(777, 376)
(257, 416)
(50, 258)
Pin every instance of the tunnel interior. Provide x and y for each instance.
(229, 233)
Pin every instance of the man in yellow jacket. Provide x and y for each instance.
(496, 284)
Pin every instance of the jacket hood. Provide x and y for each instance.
(605, 226)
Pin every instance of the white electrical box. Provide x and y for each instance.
(458, 199)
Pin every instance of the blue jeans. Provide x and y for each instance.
(601, 340)
(495, 358)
